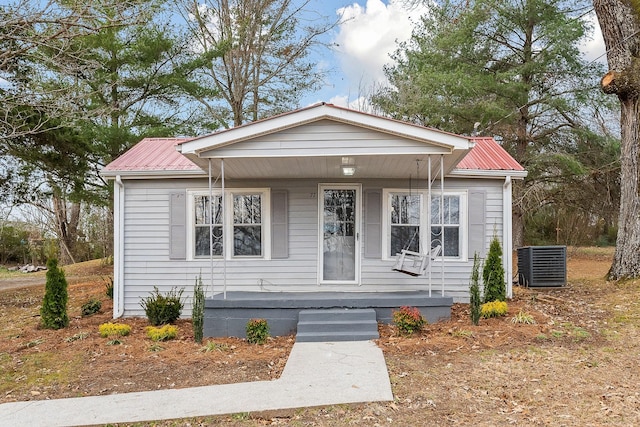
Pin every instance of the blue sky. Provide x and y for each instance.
(362, 45)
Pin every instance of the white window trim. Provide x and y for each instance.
(227, 226)
(425, 230)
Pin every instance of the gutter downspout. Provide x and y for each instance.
(507, 220)
(118, 248)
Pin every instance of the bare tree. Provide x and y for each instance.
(620, 24)
(264, 68)
(35, 36)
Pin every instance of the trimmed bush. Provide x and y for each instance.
(163, 333)
(494, 309)
(53, 314)
(163, 309)
(408, 320)
(91, 307)
(111, 329)
(257, 331)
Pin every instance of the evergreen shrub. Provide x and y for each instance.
(91, 307)
(110, 329)
(475, 299)
(162, 309)
(53, 314)
(493, 273)
(163, 333)
(494, 309)
(197, 315)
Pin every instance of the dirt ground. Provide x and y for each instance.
(578, 365)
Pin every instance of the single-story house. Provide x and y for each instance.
(309, 209)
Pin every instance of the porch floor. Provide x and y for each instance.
(229, 316)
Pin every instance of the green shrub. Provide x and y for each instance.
(163, 333)
(408, 320)
(257, 331)
(493, 273)
(110, 329)
(197, 314)
(494, 309)
(474, 291)
(162, 309)
(53, 314)
(91, 307)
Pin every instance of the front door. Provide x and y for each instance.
(339, 234)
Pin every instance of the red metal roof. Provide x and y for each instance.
(159, 154)
(488, 155)
(153, 154)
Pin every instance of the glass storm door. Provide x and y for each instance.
(339, 225)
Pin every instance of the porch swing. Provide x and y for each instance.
(411, 262)
(415, 263)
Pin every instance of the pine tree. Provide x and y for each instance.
(493, 273)
(474, 291)
(53, 313)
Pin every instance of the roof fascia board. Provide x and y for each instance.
(153, 174)
(478, 173)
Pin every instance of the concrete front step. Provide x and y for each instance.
(337, 325)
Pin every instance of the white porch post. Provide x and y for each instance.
(210, 229)
(224, 245)
(442, 219)
(428, 249)
(507, 243)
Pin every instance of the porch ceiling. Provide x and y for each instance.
(386, 167)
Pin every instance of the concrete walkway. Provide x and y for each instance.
(316, 374)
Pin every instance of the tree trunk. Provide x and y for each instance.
(67, 220)
(620, 24)
(626, 261)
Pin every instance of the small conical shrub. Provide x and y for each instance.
(53, 314)
(493, 274)
(475, 301)
(197, 315)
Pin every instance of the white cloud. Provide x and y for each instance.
(594, 49)
(367, 36)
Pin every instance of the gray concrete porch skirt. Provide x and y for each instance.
(228, 317)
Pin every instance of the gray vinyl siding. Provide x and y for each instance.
(322, 138)
(147, 261)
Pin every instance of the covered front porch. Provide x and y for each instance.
(229, 316)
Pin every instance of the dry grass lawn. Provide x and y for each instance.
(577, 365)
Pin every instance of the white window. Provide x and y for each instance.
(247, 224)
(404, 222)
(446, 228)
(242, 229)
(407, 226)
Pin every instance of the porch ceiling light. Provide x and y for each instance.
(348, 166)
